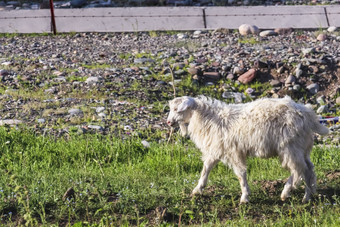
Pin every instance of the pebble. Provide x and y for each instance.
(41, 120)
(182, 36)
(268, 33)
(283, 31)
(321, 100)
(100, 109)
(275, 83)
(237, 96)
(332, 29)
(92, 80)
(322, 109)
(10, 122)
(313, 88)
(306, 51)
(96, 127)
(296, 87)
(290, 80)
(298, 73)
(143, 60)
(337, 101)
(145, 143)
(321, 37)
(238, 71)
(75, 112)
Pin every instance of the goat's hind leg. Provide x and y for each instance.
(310, 180)
(298, 167)
(207, 167)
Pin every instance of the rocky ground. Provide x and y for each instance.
(120, 82)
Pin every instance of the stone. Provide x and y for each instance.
(268, 33)
(284, 31)
(275, 83)
(321, 37)
(145, 143)
(75, 112)
(249, 90)
(143, 60)
(260, 64)
(322, 109)
(296, 87)
(92, 80)
(41, 120)
(100, 109)
(211, 76)
(238, 71)
(247, 29)
(60, 79)
(298, 73)
(78, 3)
(3, 72)
(248, 76)
(290, 80)
(230, 76)
(337, 101)
(332, 29)
(313, 88)
(306, 51)
(96, 127)
(321, 100)
(10, 122)
(182, 36)
(237, 96)
(193, 71)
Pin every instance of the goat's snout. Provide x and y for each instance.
(170, 123)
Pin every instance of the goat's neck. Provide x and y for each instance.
(204, 118)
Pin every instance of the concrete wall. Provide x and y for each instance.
(168, 18)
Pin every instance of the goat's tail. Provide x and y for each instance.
(315, 124)
(319, 128)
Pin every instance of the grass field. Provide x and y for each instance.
(95, 180)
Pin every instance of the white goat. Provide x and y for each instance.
(263, 128)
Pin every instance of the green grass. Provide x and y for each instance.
(119, 182)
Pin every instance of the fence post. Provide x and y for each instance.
(54, 28)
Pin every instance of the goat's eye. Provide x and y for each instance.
(175, 109)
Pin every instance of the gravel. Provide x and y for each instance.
(108, 82)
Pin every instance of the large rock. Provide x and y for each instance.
(268, 33)
(283, 31)
(247, 29)
(321, 37)
(247, 77)
(332, 29)
(78, 3)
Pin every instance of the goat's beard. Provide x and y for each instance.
(184, 129)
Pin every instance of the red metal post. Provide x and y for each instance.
(52, 18)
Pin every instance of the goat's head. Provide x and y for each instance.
(180, 110)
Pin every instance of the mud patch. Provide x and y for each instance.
(333, 175)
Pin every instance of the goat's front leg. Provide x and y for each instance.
(207, 167)
(242, 177)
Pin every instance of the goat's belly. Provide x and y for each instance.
(263, 153)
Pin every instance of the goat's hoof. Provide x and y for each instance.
(196, 191)
(305, 200)
(244, 201)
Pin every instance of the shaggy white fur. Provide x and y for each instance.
(263, 128)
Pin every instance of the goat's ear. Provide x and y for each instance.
(186, 103)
